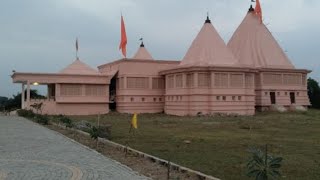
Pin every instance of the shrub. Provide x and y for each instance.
(83, 126)
(66, 121)
(94, 133)
(42, 119)
(26, 113)
(105, 131)
(263, 166)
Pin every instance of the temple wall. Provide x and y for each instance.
(53, 108)
(77, 99)
(283, 85)
(82, 93)
(140, 89)
(140, 94)
(138, 67)
(195, 93)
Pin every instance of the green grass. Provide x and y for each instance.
(219, 145)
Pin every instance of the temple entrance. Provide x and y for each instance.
(273, 97)
(51, 91)
(112, 93)
(292, 98)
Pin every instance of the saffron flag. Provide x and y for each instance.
(77, 47)
(134, 121)
(258, 10)
(123, 42)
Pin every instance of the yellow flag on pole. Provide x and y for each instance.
(134, 121)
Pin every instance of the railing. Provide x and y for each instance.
(52, 98)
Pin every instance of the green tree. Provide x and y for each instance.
(263, 166)
(15, 101)
(3, 100)
(314, 93)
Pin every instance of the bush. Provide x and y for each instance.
(105, 131)
(94, 133)
(66, 121)
(263, 166)
(26, 113)
(42, 119)
(83, 126)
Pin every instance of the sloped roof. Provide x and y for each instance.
(78, 67)
(253, 45)
(208, 49)
(142, 53)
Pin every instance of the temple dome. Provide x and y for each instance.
(208, 49)
(78, 67)
(142, 53)
(253, 45)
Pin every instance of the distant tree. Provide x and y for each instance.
(314, 93)
(15, 101)
(3, 100)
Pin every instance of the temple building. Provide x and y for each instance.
(278, 83)
(250, 73)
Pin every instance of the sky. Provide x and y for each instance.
(39, 36)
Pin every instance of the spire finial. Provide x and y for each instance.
(251, 9)
(141, 45)
(207, 20)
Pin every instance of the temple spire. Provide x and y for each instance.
(142, 52)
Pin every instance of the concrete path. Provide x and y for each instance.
(30, 151)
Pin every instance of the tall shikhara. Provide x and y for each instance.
(254, 45)
(208, 49)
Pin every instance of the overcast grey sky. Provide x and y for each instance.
(39, 36)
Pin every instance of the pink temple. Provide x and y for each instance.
(250, 73)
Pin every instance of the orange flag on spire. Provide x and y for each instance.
(258, 10)
(123, 42)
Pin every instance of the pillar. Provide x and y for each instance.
(184, 80)
(125, 83)
(150, 83)
(195, 80)
(28, 94)
(48, 91)
(212, 82)
(22, 96)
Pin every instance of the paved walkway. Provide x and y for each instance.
(29, 151)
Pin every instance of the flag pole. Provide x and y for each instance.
(77, 48)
